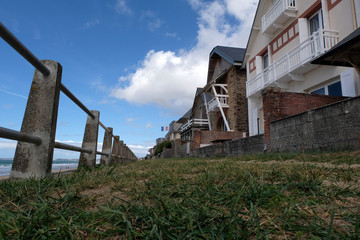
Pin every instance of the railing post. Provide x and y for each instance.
(121, 151)
(115, 150)
(90, 141)
(40, 119)
(105, 160)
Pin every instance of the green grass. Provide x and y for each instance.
(267, 196)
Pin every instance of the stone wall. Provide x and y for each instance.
(238, 147)
(238, 107)
(332, 127)
(207, 137)
(278, 105)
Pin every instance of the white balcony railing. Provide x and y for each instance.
(279, 13)
(223, 99)
(315, 45)
(194, 122)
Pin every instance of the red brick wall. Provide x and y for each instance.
(278, 105)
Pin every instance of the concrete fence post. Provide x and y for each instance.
(105, 160)
(90, 141)
(115, 150)
(121, 151)
(40, 119)
(118, 155)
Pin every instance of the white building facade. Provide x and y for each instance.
(285, 37)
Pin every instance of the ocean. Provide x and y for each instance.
(58, 164)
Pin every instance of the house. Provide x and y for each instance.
(174, 131)
(219, 110)
(286, 36)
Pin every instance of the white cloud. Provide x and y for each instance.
(9, 145)
(122, 8)
(139, 150)
(91, 24)
(169, 79)
(153, 23)
(130, 120)
(148, 125)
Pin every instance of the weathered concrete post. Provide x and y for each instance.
(115, 150)
(40, 119)
(105, 160)
(121, 151)
(90, 141)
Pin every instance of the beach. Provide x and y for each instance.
(59, 165)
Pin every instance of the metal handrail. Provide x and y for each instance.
(64, 146)
(22, 50)
(30, 57)
(19, 136)
(15, 43)
(76, 101)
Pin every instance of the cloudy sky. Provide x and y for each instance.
(138, 62)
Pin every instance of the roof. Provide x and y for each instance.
(186, 116)
(344, 53)
(233, 55)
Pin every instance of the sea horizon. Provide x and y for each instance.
(58, 164)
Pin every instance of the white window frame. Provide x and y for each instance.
(326, 86)
(320, 18)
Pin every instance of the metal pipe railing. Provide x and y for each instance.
(30, 57)
(76, 101)
(71, 148)
(101, 153)
(19, 136)
(22, 50)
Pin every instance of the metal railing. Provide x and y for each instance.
(6, 35)
(318, 43)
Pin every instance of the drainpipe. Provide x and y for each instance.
(354, 14)
(325, 12)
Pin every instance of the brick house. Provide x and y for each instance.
(285, 37)
(219, 111)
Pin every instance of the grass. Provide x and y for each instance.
(267, 196)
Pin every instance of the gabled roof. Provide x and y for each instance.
(233, 55)
(186, 116)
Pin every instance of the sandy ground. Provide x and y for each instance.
(54, 172)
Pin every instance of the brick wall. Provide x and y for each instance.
(332, 127)
(278, 105)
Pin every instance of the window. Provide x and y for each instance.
(320, 91)
(333, 89)
(316, 22)
(266, 61)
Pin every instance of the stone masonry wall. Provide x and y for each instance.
(332, 127)
(238, 147)
(278, 105)
(238, 108)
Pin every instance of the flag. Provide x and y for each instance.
(162, 129)
(166, 128)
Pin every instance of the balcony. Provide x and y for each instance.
(294, 63)
(223, 102)
(220, 99)
(195, 123)
(280, 12)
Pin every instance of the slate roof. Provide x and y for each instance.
(231, 54)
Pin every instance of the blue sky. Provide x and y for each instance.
(136, 61)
